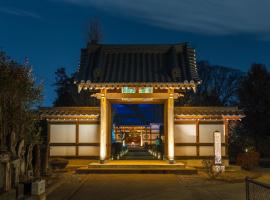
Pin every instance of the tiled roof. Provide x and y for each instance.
(137, 63)
(208, 111)
(60, 113)
(179, 112)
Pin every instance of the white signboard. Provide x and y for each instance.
(217, 147)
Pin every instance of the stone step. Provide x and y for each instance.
(137, 166)
(138, 158)
(123, 170)
(154, 164)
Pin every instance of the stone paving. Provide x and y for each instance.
(145, 186)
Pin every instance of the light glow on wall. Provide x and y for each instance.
(185, 133)
(206, 132)
(89, 133)
(62, 133)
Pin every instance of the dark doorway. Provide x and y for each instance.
(137, 131)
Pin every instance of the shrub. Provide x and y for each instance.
(248, 160)
(208, 164)
(58, 163)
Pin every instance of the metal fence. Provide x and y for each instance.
(256, 190)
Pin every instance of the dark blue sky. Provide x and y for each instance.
(137, 114)
(51, 32)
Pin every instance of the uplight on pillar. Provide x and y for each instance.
(103, 126)
(170, 121)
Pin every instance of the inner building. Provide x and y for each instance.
(137, 131)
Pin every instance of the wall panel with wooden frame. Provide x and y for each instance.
(74, 139)
(194, 138)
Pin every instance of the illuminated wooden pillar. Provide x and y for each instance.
(103, 126)
(141, 137)
(170, 125)
(197, 137)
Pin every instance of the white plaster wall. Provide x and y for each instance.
(185, 151)
(209, 151)
(206, 151)
(89, 133)
(185, 133)
(223, 151)
(207, 132)
(62, 151)
(62, 133)
(89, 151)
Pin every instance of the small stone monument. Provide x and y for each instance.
(218, 166)
(38, 187)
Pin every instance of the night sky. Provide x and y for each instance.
(137, 114)
(233, 33)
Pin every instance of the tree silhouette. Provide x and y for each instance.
(67, 92)
(218, 88)
(254, 97)
(19, 96)
(94, 34)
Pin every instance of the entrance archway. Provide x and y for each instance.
(137, 131)
(108, 97)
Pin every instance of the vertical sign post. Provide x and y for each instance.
(217, 147)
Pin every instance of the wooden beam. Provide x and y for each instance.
(226, 130)
(74, 144)
(77, 138)
(197, 144)
(197, 137)
(137, 96)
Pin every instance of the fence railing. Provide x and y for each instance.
(256, 190)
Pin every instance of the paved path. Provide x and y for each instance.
(145, 186)
(138, 153)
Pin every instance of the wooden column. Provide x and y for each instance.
(109, 129)
(77, 139)
(141, 138)
(198, 137)
(170, 124)
(48, 147)
(103, 126)
(226, 130)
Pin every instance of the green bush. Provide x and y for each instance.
(58, 163)
(248, 160)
